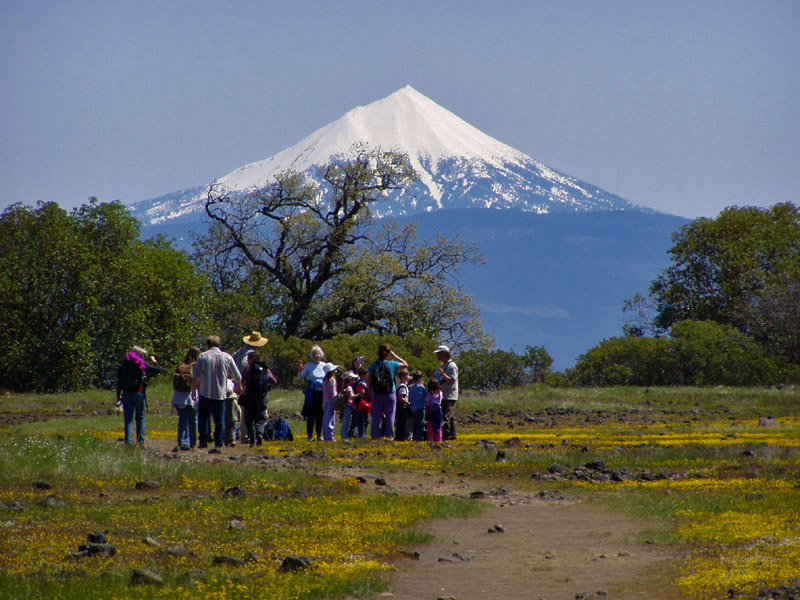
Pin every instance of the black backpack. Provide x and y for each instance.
(130, 376)
(258, 382)
(382, 379)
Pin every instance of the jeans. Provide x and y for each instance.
(255, 419)
(133, 404)
(328, 421)
(383, 404)
(215, 409)
(187, 426)
(362, 423)
(347, 419)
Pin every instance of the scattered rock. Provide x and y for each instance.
(233, 492)
(106, 550)
(552, 495)
(380, 481)
(152, 542)
(512, 442)
(146, 577)
(477, 495)
(501, 456)
(295, 563)
(408, 554)
(147, 485)
(53, 501)
(42, 485)
(556, 470)
(228, 560)
(496, 529)
(15, 506)
(97, 537)
(177, 550)
(236, 525)
(768, 422)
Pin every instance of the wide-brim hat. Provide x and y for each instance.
(350, 375)
(331, 367)
(442, 348)
(255, 339)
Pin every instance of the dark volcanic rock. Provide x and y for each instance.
(295, 563)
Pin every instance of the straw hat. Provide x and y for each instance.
(255, 339)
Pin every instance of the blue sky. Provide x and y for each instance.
(685, 107)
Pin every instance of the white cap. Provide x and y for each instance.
(442, 349)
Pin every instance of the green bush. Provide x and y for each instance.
(698, 353)
(497, 369)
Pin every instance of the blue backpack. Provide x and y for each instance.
(278, 429)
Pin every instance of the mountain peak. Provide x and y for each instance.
(406, 121)
(459, 166)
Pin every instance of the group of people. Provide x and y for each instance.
(213, 385)
(209, 385)
(399, 405)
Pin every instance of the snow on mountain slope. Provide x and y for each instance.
(459, 166)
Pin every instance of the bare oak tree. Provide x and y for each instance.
(328, 265)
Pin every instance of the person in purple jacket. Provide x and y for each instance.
(380, 378)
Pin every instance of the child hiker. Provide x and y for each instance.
(433, 411)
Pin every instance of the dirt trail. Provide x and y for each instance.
(549, 549)
(553, 545)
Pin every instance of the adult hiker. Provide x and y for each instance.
(131, 386)
(211, 373)
(448, 377)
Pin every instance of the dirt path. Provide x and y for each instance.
(553, 545)
(549, 549)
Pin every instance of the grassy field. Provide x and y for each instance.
(716, 473)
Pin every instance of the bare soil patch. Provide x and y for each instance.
(550, 545)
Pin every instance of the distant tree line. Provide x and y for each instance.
(308, 263)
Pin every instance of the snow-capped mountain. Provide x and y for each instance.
(459, 166)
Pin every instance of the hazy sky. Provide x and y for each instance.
(685, 107)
